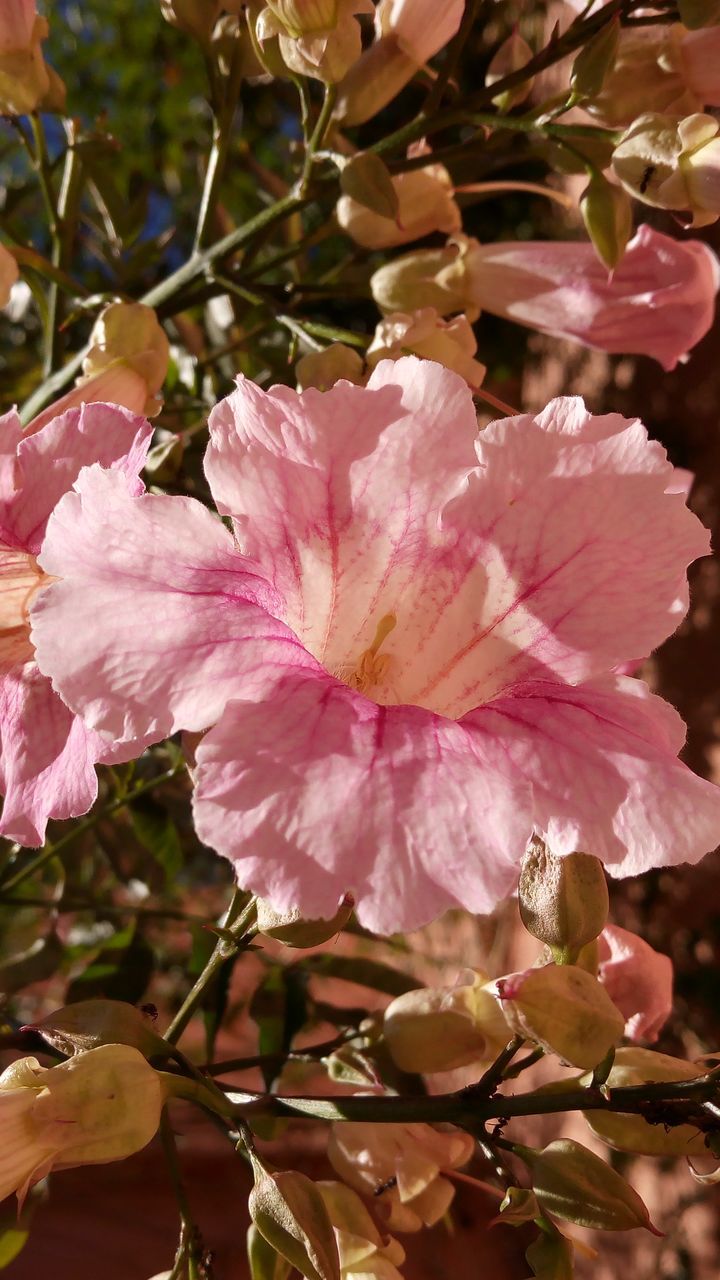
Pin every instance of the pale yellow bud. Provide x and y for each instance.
(574, 1184)
(322, 369)
(563, 900)
(437, 1029)
(633, 1133)
(130, 333)
(289, 1211)
(424, 333)
(99, 1106)
(324, 53)
(440, 278)
(564, 1010)
(425, 203)
(290, 927)
(673, 164)
(24, 75)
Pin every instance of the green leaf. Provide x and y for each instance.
(551, 1257)
(156, 832)
(367, 179)
(121, 970)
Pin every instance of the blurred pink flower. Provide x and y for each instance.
(405, 660)
(8, 274)
(17, 20)
(421, 27)
(638, 979)
(46, 753)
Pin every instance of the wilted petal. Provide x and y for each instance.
(173, 608)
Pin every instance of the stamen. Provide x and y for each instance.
(370, 668)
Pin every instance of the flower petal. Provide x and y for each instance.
(144, 634)
(50, 460)
(315, 791)
(600, 762)
(46, 756)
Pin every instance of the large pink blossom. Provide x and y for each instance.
(47, 754)
(638, 979)
(405, 656)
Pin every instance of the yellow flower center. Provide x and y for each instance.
(371, 667)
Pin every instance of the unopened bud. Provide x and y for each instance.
(564, 1010)
(415, 204)
(363, 1250)
(25, 78)
(289, 1211)
(563, 900)
(439, 278)
(194, 18)
(673, 164)
(513, 54)
(575, 1185)
(301, 17)
(322, 369)
(129, 334)
(290, 928)
(607, 213)
(99, 1106)
(325, 54)
(89, 1023)
(438, 1029)
(633, 1133)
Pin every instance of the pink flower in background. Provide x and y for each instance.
(638, 979)
(659, 301)
(47, 754)
(421, 27)
(405, 660)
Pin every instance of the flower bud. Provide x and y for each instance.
(575, 1185)
(265, 1262)
(607, 214)
(513, 54)
(363, 1251)
(563, 900)
(673, 164)
(322, 369)
(100, 1106)
(638, 979)
(289, 1211)
(633, 1133)
(303, 17)
(290, 928)
(325, 54)
(89, 1023)
(439, 278)
(563, 1009)
(194, 18)
(8, 274)
(399, 1166)
(129, 334)
(425, 204)
(26, 82)
(424, 333)
(551, 1257)
(445, 1027)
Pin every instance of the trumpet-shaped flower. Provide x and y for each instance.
(659, 301)
(405, 657)
(100, 1106)
(47, 754)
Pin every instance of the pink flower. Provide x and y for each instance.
(405, 660)
(658, 302)
(17, 21)
(8, 274)
(421, 27)
(638, 979)
(46, 753)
